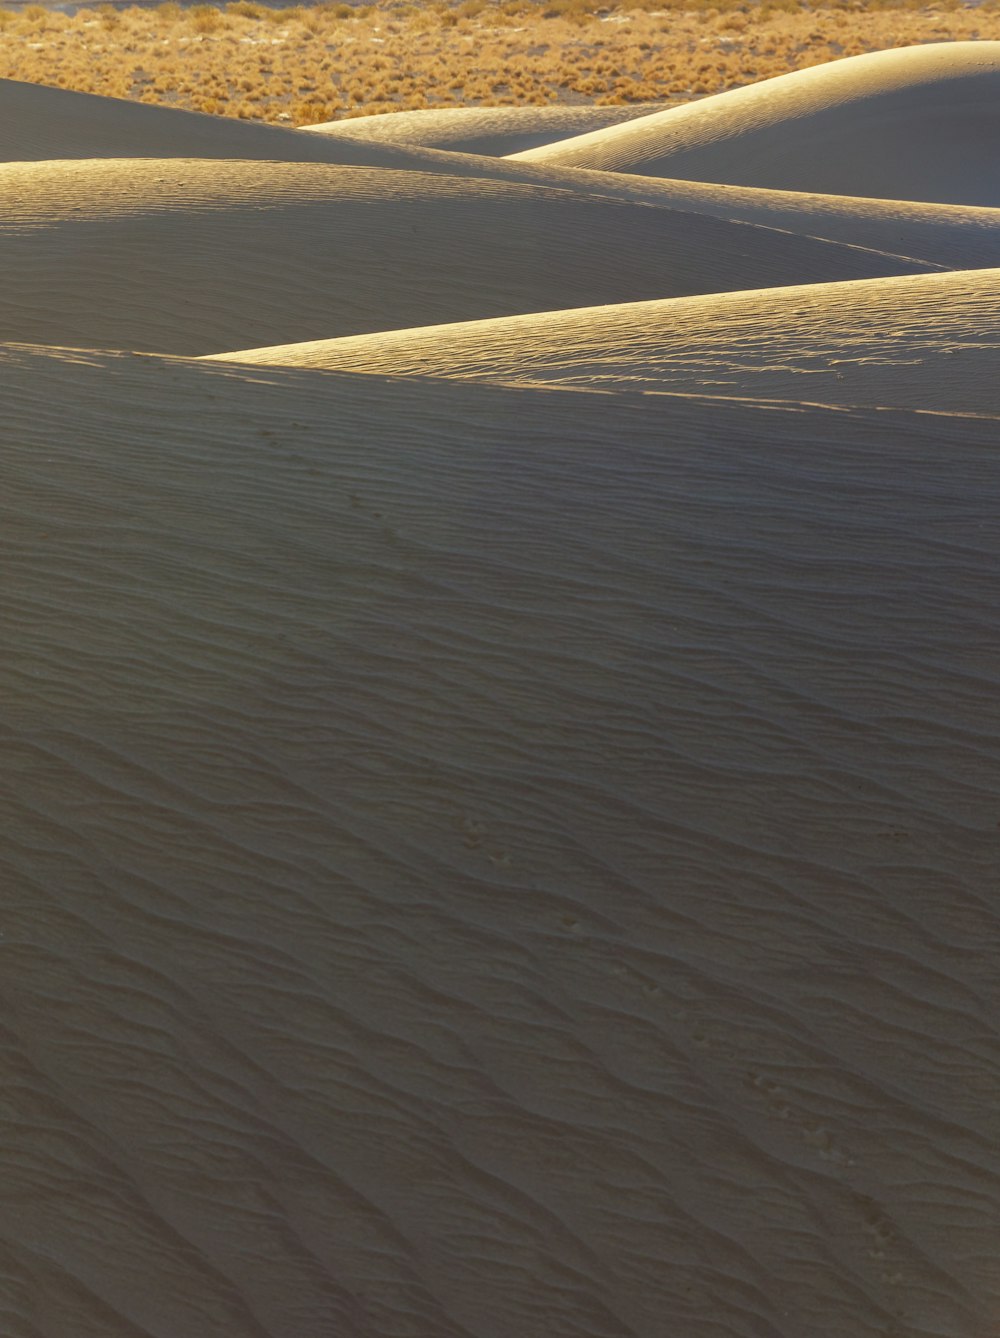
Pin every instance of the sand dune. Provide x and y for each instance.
(488, 130)
(931, 342)
(37, 124)
(456, 855)
(919, 123)
(950, 235)
(960, 236)
(221, 255)
(488, 850)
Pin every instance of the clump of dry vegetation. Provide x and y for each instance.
(312, 63)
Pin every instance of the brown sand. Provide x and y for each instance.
(491, 860)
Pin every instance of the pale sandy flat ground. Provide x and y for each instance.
(500, 830)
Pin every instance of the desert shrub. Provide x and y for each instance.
(666, 50)
(569, 9)
(314, 113)
(204, 18)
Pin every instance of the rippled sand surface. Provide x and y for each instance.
(500, 831)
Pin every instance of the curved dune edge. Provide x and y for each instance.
(917, 123)
(957, 236)
(930, 341)
(485, 130)
(38, 123)
(413, 767)
(219, 255)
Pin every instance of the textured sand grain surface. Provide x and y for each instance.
(499, 830)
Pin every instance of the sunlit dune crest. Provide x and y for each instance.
(360, 250)
(921, 123)
(501, 717)
(932, 343)
(487, 130)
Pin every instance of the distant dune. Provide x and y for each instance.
(920, 123)
(488, 130)
(502, 720)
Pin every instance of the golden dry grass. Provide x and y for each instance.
(315, 63)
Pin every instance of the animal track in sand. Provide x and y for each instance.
(476, 837)
(779, 1104)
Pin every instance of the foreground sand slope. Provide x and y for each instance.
(196, 257)
(487, 861)
(928, 341)
(920, 123)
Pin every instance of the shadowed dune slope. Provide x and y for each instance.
(919, 123)
(48, 123)
(950, 235)
(486, 861)
(203, 257)
(959, 236)
(486, 130)
(39, 123)
(931, 342)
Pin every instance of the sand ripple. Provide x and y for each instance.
(485, 860)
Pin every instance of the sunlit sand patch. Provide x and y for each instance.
(932, 343)
(487, 130)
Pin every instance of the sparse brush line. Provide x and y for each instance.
(308, 64)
